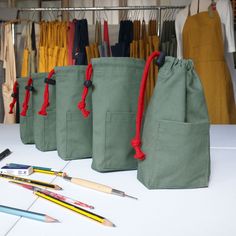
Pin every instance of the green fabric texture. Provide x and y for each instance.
(26, 122)
(116, 84)
(74, 133)
(44, 126)
(176, 131)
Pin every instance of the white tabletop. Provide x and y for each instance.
(205, 212)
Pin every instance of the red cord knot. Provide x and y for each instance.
(139, 154)
(82, 106)
(14, 95)
(42, 112)
(24, 110)
(11, 108)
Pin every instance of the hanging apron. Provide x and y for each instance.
(10, 74)
(42, 61)
(25, 68)
(2, 74)
(33, 54)
(203, 43)
(70, 41)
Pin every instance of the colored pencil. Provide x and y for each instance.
(76, 209)
(34, 167)
(56, 195)
(30, 181)
(49, 172)
(27, 214)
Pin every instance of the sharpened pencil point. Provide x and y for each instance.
(58, 187)
(108, 223)
(49, 219)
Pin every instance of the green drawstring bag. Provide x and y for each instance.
(45, 115)
(114, 102)
(25, 89)
(73, 132)
(175, 137)
(21, 91)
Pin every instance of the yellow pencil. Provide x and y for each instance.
(79, 210)
(50, 172)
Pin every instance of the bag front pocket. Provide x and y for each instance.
(45, 131)
(78, 136)
(120, 129)
(26, 129)
(180, 158)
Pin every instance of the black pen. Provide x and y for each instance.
(4, 154)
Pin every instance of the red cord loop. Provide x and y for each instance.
(26, 99)
(45, 105)
(136, 141)
(136, 144)
(14, 95)
(81, 106)
(82, 103)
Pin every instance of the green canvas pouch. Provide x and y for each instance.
(25, 89)
(21, 93)
(175, 136)
(114, 102)
(73, 132)
(44, 103)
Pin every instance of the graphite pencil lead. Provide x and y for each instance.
(58, 187)
(106, 222)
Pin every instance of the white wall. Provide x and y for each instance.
(175, 3)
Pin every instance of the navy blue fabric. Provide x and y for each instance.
(81, 40)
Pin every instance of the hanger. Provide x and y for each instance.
(106, 16)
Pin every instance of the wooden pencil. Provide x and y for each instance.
(76, 209)
(27, 214)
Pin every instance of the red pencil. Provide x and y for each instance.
(55, 195)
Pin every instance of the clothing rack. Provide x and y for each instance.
(112, 8)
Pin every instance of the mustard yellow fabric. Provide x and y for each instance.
(42, 61)
(53, 49)
(25, 63)
(142, 46)
(203, 43)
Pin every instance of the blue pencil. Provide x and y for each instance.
(22, 165)
(27, 214)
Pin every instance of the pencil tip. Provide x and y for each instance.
(49, 219)
(108, 223)
(56, 221)
(58, 187)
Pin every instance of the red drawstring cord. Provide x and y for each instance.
(27, 98)
(43, 110)
(106, 36)
(136, 142)
(14, 95)
(82, 103)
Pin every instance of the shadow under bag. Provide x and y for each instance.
(175, 136)
(116, 83)
(74, 133)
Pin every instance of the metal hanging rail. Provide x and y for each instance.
(112, 8)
